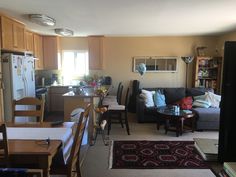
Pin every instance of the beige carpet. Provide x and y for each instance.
(96, 161)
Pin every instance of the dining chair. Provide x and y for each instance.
(113, 98)
(116, 112)
(37, 112)
(73, 164)
(4, 156)
(5, 163)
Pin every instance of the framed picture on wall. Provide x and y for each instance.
(156, 63)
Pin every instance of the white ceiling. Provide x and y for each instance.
(129, 17)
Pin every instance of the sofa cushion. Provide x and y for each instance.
(201, 104)
(174, 94)
(185, 103)
(213, 99)
(148, 97)
(208, 114)
(159, 99)
(197, 91)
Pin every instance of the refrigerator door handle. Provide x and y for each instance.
(25, 86)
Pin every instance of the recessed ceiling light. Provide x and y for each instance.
(64, 32)
(41, 19)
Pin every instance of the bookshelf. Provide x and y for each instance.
(207, 73)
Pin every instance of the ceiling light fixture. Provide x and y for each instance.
(41, 19)
(64, 32)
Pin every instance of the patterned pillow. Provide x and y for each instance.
(185, 103)
(148, 97)
(201, 104)
(159, 99)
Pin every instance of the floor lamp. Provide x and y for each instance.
(187, 60)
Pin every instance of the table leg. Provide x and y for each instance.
(193, 123)
(177, 123)
(166, 126)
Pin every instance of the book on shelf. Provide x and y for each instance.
(230, 168)
(207, 148)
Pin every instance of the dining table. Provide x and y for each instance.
(27, 150)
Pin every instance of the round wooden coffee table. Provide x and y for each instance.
(174, 121)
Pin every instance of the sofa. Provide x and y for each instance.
(206, 118)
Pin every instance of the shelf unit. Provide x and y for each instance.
(207, 73)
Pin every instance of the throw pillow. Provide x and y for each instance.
(201, 104)
(200, 97)
(159, 99)
(213, 99)
(148, 97)
(185, 103)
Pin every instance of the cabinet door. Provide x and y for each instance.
(95, 52)
(56, 98)
(51, 52)
(38, 51)
(18, 36)
(29, 41)
(7, 33)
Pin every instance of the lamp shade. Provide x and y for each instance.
(187, 59)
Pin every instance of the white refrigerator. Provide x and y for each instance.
(19, 82)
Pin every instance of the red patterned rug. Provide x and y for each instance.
(155, 154)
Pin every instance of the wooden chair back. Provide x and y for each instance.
(127, 98)
(74, 155)
(38, 112)
(4, 156)
(120, 94)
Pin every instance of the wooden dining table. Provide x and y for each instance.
(35, 153)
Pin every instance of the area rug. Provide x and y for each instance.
(155, 155)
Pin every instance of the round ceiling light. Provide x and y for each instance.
(41, 19)
(64, 32)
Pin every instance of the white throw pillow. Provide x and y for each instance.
(148, 97)
(213, 99)
(201, 104)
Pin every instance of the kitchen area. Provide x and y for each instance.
(51, 80)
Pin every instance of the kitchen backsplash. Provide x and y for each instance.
(56, 75)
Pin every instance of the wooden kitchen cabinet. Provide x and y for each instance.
(7, 33)
(51, 52)
(29, 41)
(56, 98)
(38, 51)
(95, 45)
(12, 34)
(18, 36)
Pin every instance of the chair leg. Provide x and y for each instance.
(120, 119)
(109, 124)
(126, 123)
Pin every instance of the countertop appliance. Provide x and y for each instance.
(19, 82)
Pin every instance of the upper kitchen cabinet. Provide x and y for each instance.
(38, 51)
(29, 41)
(18, 36)
(12, 34)
(95, 45)
(51, 52)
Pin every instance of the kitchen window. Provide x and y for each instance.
(74, 65)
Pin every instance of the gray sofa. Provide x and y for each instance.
(207, 118)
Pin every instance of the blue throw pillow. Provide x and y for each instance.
(159, 99)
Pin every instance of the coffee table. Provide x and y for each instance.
(174, 121)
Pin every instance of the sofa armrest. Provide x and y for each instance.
(140, 107)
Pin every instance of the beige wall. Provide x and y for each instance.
(226, 37)
(118, 53)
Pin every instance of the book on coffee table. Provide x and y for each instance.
(207, 148)
(230, 168)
